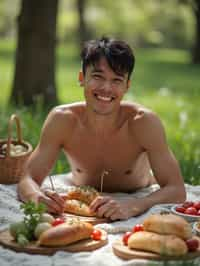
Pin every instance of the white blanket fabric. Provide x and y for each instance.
(10, 212)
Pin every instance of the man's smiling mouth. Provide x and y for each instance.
(104, 98)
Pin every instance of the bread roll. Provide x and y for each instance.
(168, 245)
(168, 224)
(65, 233)
(85, 194)
(78, 207)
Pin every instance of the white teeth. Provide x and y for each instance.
(103, 98)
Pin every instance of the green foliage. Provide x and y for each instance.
(154, 22)
(32, 216)
(23, 231)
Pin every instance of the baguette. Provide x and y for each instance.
(167, 245)
(168, 224)
(66, 233)
(78, 207)
(85, 194)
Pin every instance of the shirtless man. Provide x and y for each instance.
(105, 134)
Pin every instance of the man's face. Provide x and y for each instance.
(103, 88)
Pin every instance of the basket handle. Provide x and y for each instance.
(15, 118)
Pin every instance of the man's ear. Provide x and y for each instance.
(128, 84)
(81, 78)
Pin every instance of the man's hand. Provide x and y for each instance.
(54, 202)
(116, 209)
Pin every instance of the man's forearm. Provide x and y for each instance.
(167, 194)
(28, 189)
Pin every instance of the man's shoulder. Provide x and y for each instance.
(137, 112)
(141, 118)
(64, 117)
(67, 111)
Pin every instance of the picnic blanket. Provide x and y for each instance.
(10, 212)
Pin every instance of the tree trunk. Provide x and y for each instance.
(196, 51)
(82, 31)
(35, 55)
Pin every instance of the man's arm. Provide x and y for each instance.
(149, 134)
(163, 163)
(41, 162)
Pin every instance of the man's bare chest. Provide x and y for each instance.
(117, 152)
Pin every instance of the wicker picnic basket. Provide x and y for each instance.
(12, 161)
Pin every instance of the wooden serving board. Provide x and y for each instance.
(7, 241)
(126, 253)
(92, 220)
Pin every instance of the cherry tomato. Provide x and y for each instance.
(58, 221)
(96, 234)
(137, 228)
(180, 209)
(191, 211)
(198, 212)
(192, 244)
(187, 204)
(197, 205)
(126, 237)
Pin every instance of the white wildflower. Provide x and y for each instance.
(164, 92)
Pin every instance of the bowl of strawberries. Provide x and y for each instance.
(190, 210)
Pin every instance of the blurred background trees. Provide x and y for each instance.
(37, 26)
(35, 53)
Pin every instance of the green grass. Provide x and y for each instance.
(164, 80)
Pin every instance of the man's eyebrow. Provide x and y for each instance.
(98, 70)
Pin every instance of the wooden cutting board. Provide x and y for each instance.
(7, 241)
(92, 220)
(125, 253)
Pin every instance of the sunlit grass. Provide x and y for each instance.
(164, 80)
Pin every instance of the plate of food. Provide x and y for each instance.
(189, 210)
(41, 233)
(159, 237)
(77, 201)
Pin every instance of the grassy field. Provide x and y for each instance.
(164, 80)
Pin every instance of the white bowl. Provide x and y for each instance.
(190, 218)
(196, 228)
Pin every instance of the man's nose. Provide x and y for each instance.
(107, 85)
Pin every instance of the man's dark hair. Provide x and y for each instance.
(118, 54)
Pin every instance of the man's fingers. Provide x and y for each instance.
(109, 213)
(115, 216)
(51, 207)
(108, 208)
(97, 202)
(52, 202)
(56, 197)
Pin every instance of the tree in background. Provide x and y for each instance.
(195, 5)
(82, 29)
(35, 55)
(196, 51)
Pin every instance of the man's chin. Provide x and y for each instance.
(103, 112)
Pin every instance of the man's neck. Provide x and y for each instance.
(102, 124)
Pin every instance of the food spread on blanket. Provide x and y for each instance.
(48, 231)
(78, 199)
(163, 234)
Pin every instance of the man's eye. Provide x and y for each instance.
(97, 77)
(118, 81)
